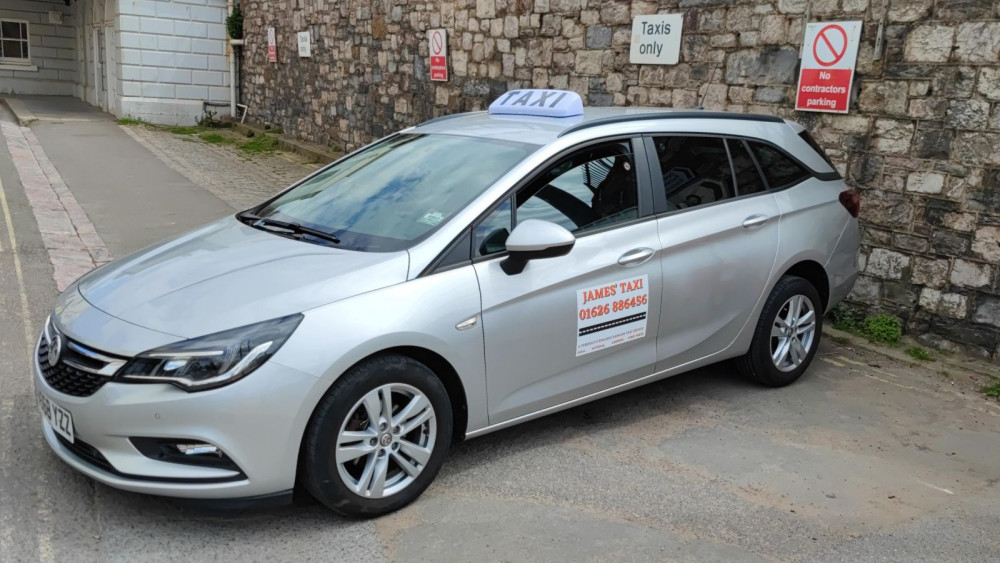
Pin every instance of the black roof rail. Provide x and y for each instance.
(695, 114)
(449, 116)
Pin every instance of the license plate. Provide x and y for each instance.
(60, 418)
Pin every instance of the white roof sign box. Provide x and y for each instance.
(544, 103)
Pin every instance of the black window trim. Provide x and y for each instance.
(646, 195)
(756, 164)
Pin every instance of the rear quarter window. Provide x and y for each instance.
(815, 146)
(779, 170)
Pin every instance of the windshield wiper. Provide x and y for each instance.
(295, 228)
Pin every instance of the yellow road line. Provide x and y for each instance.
(44, 536)
(850, 361)
(832, 362)
(25, 312)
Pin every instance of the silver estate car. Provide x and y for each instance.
(455, 278)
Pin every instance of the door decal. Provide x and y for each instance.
(611, 314)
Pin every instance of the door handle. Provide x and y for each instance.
(636, 256)
(755, 221)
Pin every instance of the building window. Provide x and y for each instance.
(14, 42)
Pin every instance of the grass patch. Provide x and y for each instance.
(215, 139)
(131, 121)
(992, 390)
(259, 145)
(945, 374)
(185, 129)
(883, 329)
(918, 353)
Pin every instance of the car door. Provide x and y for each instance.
(574, 325)
(718, 229)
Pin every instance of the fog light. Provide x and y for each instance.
(184, 451)
(198, 449)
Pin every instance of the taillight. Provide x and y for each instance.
(851, 202)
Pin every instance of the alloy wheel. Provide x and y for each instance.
(793, 333)
(386, 440)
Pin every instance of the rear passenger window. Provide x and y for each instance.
(779, 170)
(695, 170)
(748, 179)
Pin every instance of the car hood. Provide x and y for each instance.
(227, 274)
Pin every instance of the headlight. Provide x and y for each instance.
(214, 360)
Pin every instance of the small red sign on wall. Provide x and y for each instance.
(438, 47)
(272, 46)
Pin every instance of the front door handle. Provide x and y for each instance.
(636, 256)
(755, 221)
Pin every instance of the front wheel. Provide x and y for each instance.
(378, 437)
(787, 334)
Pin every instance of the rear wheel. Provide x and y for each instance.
(378, 438)
(787, 334)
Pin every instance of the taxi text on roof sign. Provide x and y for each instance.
(545, 103)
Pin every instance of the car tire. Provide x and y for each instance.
(341, 427)
(775, 358)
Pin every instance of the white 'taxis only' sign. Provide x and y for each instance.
(656, 39)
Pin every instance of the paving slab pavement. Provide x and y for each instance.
(863, 459)
(133, 198)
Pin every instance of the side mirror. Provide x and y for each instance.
(534, 239)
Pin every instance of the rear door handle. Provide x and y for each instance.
(755, 221)
(636, 256)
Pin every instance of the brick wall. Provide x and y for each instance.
(921, 142)
(53, 53)
(172, 52)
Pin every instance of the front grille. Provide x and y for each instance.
(67, 379)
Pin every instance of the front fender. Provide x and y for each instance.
(418, 313)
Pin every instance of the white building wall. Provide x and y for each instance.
(172, 57)
(53, 50)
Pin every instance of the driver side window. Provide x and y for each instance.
(588, 190)
(591, 189)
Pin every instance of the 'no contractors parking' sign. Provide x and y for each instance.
(829, 52)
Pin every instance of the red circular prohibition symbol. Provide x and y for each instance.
(821, 36)
(437, 44)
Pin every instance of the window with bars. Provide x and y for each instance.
(14, 41)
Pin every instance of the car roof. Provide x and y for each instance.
(538, 130)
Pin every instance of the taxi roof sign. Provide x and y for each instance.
(544, 103)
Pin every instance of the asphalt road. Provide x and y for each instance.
(863, 459)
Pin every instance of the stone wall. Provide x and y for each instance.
(52, 48)
(922, 141)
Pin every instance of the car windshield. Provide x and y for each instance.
(395, 192)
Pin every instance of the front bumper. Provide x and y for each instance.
(257, 421)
